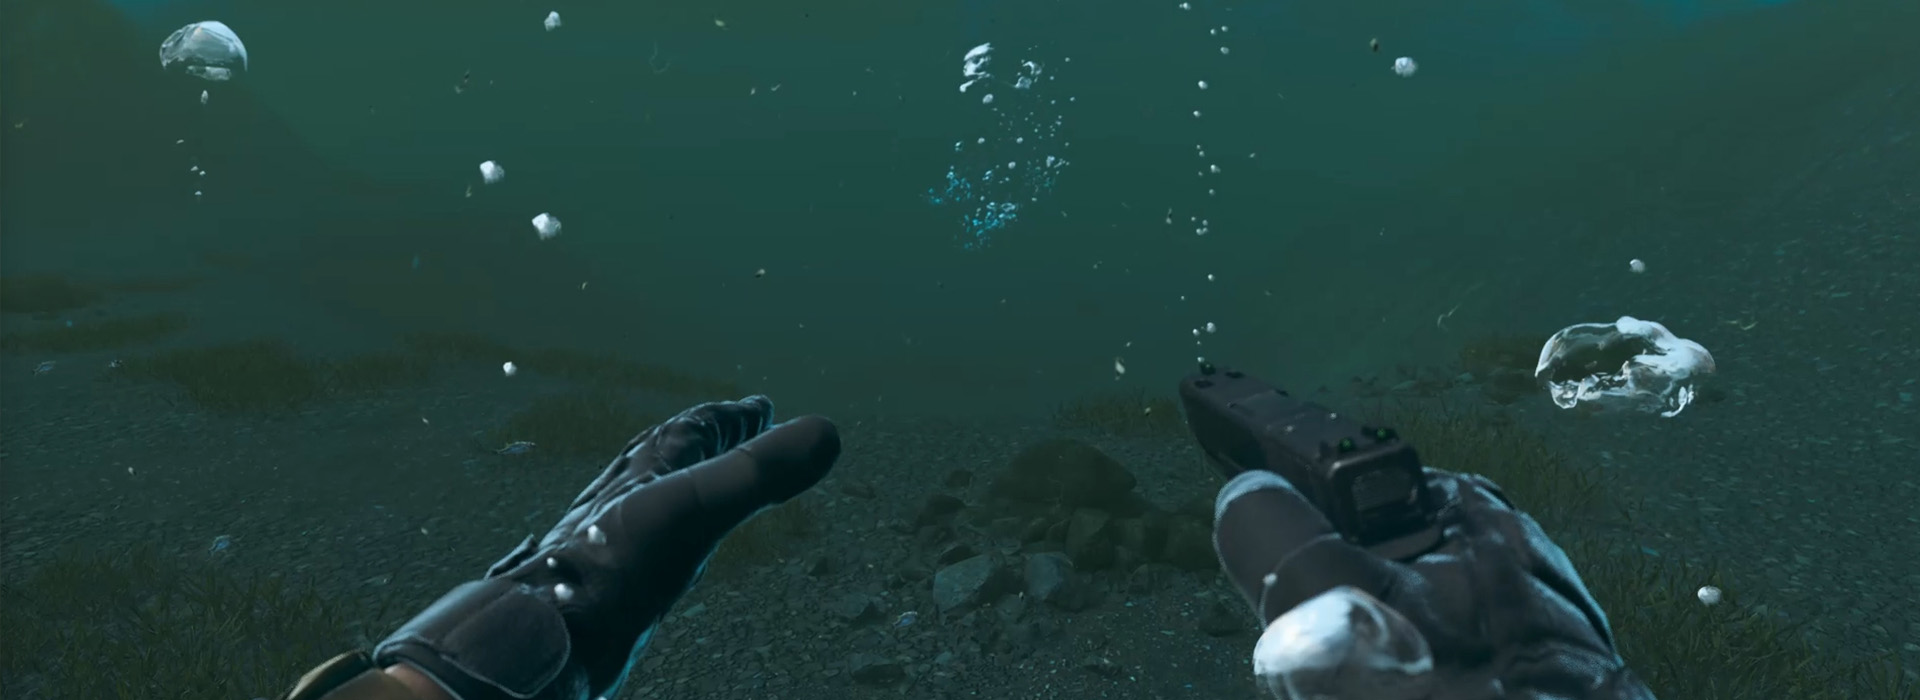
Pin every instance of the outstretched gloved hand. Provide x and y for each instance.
(1496, 610)
(564, 616)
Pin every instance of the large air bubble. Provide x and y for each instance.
(1630, 365)
(207, 50)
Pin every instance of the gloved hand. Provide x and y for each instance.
(565, 616)
(1496, 611)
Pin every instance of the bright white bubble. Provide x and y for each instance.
(1708, 595)
(546, 225)
(491, 172)
(1405, 67)
(553, 21)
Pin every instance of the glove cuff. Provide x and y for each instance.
(458, 642)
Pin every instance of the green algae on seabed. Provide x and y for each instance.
(1123, 414)
(586, 368)
(46, 294)
(583, 424)
(766, 536)
(145, 623)
(95, 336)
(266, 375)
(31, 294)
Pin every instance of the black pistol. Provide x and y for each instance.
(1366, 480)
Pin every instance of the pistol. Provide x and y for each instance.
(1366, 480)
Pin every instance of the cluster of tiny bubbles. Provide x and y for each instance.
(1208, 170)
(994, 177)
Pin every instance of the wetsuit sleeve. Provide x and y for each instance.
(349, 676)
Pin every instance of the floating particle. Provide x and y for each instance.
(205, 50)
(1203, 84)
(491, 172)
(762, 272)
(1637, 265)
(509, 369)
(553, 21)
(905, 619)
(517, 447)
(1374, 45)
(1186, 6)
(546, 225)
(1708, 595)
(1215, 169)
(220, 544)
(721, 23)
(984, 100)
(1209, 277)
(1196, 114)
(44, 367)
(1119, 366)
(1405, 67)
(204, 97)
(1196, 331)
(1224, 51)
(1210, 327)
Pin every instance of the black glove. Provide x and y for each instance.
(1496, 611)
(565, 617)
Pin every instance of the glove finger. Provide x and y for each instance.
(769, 469)
(1279, 550)
(687, 512)
(702, 432)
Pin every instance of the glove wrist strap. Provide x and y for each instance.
(458, 641)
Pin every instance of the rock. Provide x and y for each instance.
(854, 608)
(1148, 579)
(1130, 533)
(1087, 542)
(1057, 532)
(819, 565)
(1222, 621)
(1085, 525)
(1046, 575)
(1079, 594)
(873, 669)
(1189, 546)
(908, 576)
(1013, 528)
(1035, 531)
(856, 489)
(1012, 609)
(1197, 507)
(938, 509)
(955, 554)
(964, 584)
(1067, 472)
(1102, 666)
(959, 479)
(932, 536)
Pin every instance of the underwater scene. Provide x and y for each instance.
(1209, 349)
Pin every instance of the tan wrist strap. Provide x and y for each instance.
(350, 676)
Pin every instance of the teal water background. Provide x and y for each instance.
(1541, 146)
